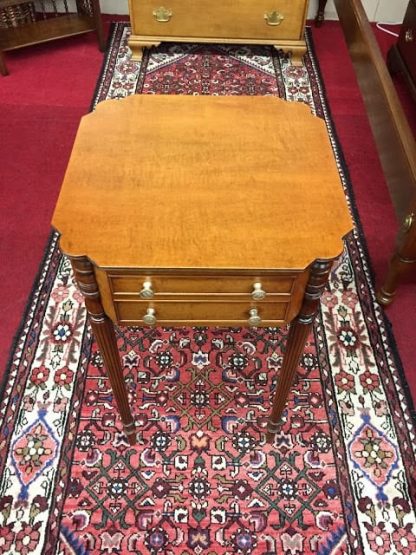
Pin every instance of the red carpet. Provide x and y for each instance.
(49, 88)
(339, 477)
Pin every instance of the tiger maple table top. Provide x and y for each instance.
(202, 182)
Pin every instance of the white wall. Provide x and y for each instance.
(383, 11)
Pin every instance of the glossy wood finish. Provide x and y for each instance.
(223, 22)
(402, 260)
(205, 197)
(298, 333)
(320, 15)
(402, 55)
(104, 334)
(392, 134)
(45, 30)
(202, 182)
(393, 137)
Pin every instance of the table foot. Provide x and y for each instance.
(131, 433)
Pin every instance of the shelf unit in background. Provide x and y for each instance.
(24, 23)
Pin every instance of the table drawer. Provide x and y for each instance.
(211, 19)
(165, 286)
(196, 312)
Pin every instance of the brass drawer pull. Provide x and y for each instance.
(162, 15)
(255, 319)
(150, 317)
(147, 291)
(408, 222)
(258, 293)
(273, 18)
(408, 37)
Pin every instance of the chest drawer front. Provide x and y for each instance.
(174, 313)
(165, 286)
(266, 19)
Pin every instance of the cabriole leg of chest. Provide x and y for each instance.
(298, 334)
(104, 334)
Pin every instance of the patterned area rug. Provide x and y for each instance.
(340, 477)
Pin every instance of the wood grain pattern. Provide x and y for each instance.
(183, 284)
(104, 334)
(220, 22)
(298, 333)
(201, 312)
(392, 134)
(202, 182)
(393, 137)
(202, 195)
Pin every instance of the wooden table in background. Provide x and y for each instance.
(201, 210)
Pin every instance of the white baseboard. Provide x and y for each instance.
(383, 11)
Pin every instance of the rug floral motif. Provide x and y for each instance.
(340, 476)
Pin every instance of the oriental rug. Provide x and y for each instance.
(340, 477)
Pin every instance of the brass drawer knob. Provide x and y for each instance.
(162, 15)
(254, 319)
(408, 222)
(273, 18)
(147, 291)
(408, 36)
(258, 293)
(150, 317)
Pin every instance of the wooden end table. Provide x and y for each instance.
(201, 210)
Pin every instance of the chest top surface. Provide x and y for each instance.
(202, 182)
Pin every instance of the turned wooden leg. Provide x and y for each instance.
(104, 334)
(320, 16)
(3, 67)
(402, 260)
(298, 334)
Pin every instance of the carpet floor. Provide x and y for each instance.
(338, 479)
(42, 100)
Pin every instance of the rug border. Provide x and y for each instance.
(387, 323)
(28, 306)
(357, 220)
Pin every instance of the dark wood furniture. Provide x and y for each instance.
(21, 24)
(403, 259)
(320, 16)
(205, 213)
(402, 55)
(280, 23)
(393, 136)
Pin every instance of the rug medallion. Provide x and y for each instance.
(340, 477)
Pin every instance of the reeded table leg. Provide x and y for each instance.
(103, 329)
(320, 16)
(298, 334)
(402, 260)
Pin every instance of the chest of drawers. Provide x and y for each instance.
(279, 23)
(402, 55)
